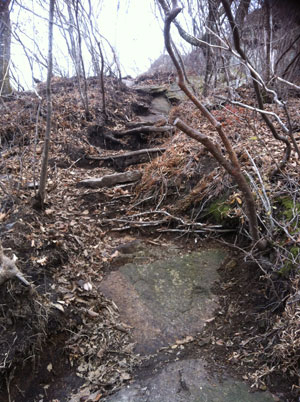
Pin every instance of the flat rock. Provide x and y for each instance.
(151, 89)
(167, 299)
(160, 105)
(188, 381)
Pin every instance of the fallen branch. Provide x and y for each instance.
(126, 155)
(143, 130)
(111, 138)
(127, 159)
(183, 226)
(256, 109)
(9, 270)
(135, 124)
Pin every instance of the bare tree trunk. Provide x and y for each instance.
(5, 40)
(207, 50)
(255, 81)
(81, 62)
(241, 12)
(268, 26)
(73, 48)
(102, 80)
(43, 178)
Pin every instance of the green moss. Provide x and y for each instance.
(295, 251)
(286, 270)
(289, 208)
(220, 211)
(291, 263)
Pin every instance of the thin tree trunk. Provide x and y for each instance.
(102, 80)
(5, 41)
(73, 48)
(85, 91)
(207, 50)
(268, 26)
(255, 80)
(44, 169)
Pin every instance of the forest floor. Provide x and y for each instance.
(62, 329)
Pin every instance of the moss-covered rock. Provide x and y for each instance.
(222, 212)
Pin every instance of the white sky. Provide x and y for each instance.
(135, 33)
(132, 30)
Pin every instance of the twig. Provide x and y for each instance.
(255, 109)
(288, 83)
(232, 166)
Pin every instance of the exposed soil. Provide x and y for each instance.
(64, 326)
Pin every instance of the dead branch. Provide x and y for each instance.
(111, 138)
(232, 165)
(144, 130)
(183, 225)
(9, 270)
(255, 109)
(288, 83)
(127, 154)
(129, 158)
(134, 124)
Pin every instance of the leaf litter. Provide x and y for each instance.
(64, 250)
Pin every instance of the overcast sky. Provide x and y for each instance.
(132, 29)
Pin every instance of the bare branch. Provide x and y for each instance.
(233, 165)
(288, 83)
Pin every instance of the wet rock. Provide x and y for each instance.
(188, 381)
(167, 299)
(160, 105)
(153, 90)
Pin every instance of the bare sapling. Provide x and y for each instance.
(44, 169)
(9, 270)
(102, 80)
(257, 82)
(230, 164)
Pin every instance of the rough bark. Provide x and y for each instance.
(5, 41)
(241, 12)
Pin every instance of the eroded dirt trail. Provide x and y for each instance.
(166, 296)
(126, 308)
(164, 293)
